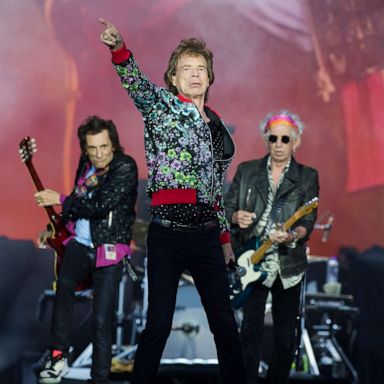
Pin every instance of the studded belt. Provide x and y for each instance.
(184, 227)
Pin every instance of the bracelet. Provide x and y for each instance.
(295, 239)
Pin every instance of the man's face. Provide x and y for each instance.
(191, 78)
(99, 149)
(281, 152)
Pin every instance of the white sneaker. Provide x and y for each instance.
(55, 369)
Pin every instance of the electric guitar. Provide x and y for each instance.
(57, 230)
(241, 287)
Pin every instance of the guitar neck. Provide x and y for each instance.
(302, 211)
(53, 216)
(260, 252)
(34, 175)
(292, 220)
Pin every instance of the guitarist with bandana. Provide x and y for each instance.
(265, 194)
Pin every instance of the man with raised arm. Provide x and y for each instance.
(188, 149)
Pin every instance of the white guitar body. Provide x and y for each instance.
(253, 274)
(240, 287)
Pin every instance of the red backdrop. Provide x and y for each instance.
(55, 72)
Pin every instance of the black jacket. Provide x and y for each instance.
(111, 209)
(249, 192)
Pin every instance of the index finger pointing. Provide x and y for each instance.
(105, 22)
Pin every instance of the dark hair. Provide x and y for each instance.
(193, 47)
(94, 125)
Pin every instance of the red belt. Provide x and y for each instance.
(174, 196)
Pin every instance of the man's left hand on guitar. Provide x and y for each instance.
(278, 236)
(47, 198)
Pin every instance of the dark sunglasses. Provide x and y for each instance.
(284, 139)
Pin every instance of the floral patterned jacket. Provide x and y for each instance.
(178, 143)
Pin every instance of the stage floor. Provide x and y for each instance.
(170, 374)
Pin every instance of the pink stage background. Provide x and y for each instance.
(55, 72)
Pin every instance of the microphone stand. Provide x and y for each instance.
(326, 228)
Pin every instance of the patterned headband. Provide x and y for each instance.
(282, 117)
(280, 120)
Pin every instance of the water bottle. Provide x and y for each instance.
(332, 270)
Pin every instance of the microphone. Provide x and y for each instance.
(327, 228)
(240, 271)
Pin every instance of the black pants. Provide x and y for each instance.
(78, 263)
(285, 307)
(169, 254)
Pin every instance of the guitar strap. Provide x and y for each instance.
(277, 206)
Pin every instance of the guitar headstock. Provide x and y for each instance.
(27, 148)
(305, 209)
(310, 205)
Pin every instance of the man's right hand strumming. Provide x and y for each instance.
(243, 218)
(110, 36)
